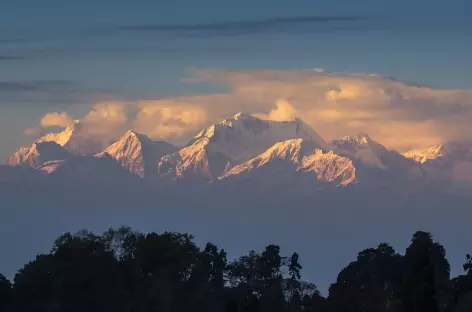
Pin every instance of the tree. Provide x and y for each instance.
(293, 285)
(371, 283)
(6, 293)
(127, 271)
(426, 285)
(78, 275)
(315, 303)
(461, 298)
(35, 286)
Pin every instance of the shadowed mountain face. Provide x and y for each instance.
(37, 154)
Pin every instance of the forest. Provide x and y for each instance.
(123, 270)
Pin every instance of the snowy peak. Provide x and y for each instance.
(289, 151)
(361, 147)
(37, 154)
(233, 141)
(359, 139)
(241, 115)
(330, 167)
(194, 162)
(444, 152)
(60, 138)
(244, 136)
(285, 158)
(423, 155)
(76, 139)
(451, 161)
(368, 152)
(139, 154)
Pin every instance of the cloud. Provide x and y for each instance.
(283, 111)
(9, 58)
(33, 132)
(46, 92)
(36, 86)
(57, 120)
(169, 119)
(398, 115)
(244, 27)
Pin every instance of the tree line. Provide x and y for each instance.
(127, 271)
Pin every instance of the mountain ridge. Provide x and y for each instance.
(263, 150)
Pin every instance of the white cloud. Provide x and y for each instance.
(283, 111)
(169, 119)
(56, 119)
(33, 132)
(396, 114)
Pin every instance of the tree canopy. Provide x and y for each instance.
(123, 270)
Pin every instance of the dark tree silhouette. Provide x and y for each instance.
(426, 275)
(6, 294)
(127, 271)
(371, 283)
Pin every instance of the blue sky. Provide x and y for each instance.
(64, 55)
(72, 52)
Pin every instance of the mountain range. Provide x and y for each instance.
(242, 150)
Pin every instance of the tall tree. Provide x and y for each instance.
(371, 283)
(426, 285)
(78, 275)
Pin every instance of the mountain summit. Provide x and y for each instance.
(76, 139)
(139, 154)
(232, 142)
(244, 135)
(362, 147)
(284, 159)
(450, 161)
(38, 154)
(250, 149)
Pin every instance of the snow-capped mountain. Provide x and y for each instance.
(139, 154)
(232, 142)
(368, 152)
(442, 152)
(194, 162)
(361, 147)
(285, 158)
(76, 139)
(244, 136)
(447, 161)
(37, 154)
(244, 148)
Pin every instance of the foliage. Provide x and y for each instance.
(126, 271)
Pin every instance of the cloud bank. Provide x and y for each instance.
(235, 28)
(399, 115)
(57, 120)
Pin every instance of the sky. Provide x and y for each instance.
(63, 57)
(398, 70)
